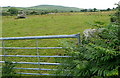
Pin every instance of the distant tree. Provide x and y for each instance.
(84, 10)
(91, 10)
(71, 11)
(34, 13)
(13, 10)
(44, 12)
(103, 10)
(94, 9)
(108, 9)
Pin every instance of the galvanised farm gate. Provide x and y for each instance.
(38, 56)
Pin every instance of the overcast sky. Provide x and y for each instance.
(99, 4)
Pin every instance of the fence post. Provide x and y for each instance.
(78, 38)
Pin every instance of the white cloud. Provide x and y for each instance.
(99, 4)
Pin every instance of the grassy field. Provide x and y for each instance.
(54, 24)
(51, 24)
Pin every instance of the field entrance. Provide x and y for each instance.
(32, 56)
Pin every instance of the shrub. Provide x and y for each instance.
(13, 11)
(34, 13)
(99, 57)
(5, 13)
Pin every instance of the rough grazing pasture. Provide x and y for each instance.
(51, 24)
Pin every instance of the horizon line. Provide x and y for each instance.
(52, 5)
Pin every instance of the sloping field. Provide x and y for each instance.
(51, 24)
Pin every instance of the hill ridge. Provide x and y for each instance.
(54, 7)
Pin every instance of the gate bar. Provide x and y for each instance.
(29, 56)
(34, 69)
(42, 63)
(31, 47)
(35, 74)
(40, 37)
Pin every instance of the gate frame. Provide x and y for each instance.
(38, 63)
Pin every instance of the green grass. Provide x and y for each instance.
(66, 23)
(39, 25)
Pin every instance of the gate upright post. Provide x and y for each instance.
(78, 38)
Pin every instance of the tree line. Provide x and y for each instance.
(14, 11)
(95, 10)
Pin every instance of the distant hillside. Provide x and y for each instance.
(54, 7)
(40, 9)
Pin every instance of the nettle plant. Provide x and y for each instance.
(8, 71)
(98, 57)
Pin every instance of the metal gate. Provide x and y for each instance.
(38, 56)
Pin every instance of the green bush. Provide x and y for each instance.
(97, 58)
(5, 13)
(13, 11)
(34, 13)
